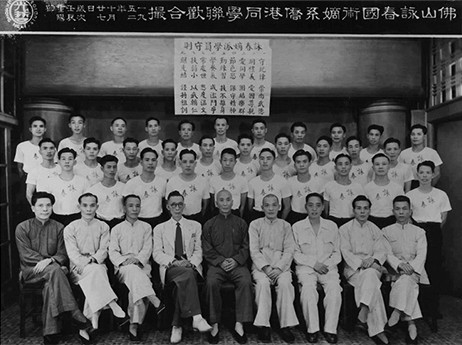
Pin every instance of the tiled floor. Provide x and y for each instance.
(450, 332)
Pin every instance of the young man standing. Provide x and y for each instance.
(115, 147)
(89, 168)
(168, 167)
(283, 164)
(317, 254)
(337, 134)
(298, 133)
(221, 140)
(399, 172)
(27, 154)
(374, 133)
(75, 141)
(360, 170)
(131, 167)
(323, 169)
(272, 247)
(245, 165)
(153, 128)
(259, 131)
(207, 166)
(186, 131)
(42, 255)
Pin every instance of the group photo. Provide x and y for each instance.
(249, 189)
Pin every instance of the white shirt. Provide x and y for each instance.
(67, 142)
(382, 197)
(195, 147)
(66, 193)
(358, 173)
(29, 155)
(412, 158)
(92, 175)
(340, 198)
(39, 174)
(323, 173)
(208, 171)
(333, 154)
(109, 200)
(236, 186)
(165, 173)
(300, 190)
(113, 148)
(255, 152)
(124, 173)
(193, 192)
(221, 146)
(150, 193)
(427, 207)
(365, 156)
(158, 148)
(286, 172)
(306, 147)
(258, 188)
(401, 173)
(247, 170)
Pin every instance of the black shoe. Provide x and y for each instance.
(136, 337)
(378, 341)
(241, 339)
(312, 337)
(411, 341)
(264, 334)
(286, 335)
(213, 339)
(331, 338)
(81, 325)
(160, 308)
(50, 339)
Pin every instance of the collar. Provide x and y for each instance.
(37, 222)
(358, 224)
(271, 222)
(221, 216)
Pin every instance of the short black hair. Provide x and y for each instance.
(130, 140)
(418, 126)
(380, 155)
(376, 127)
(146, 123)
(325, 138)
(297, 124)
(84, 195)
(46, 140)
(391, 140)
(77, 115)
(353, 137)
(187, 151)
(282, 135)
(108, 158)
(37, 118)
(429, 164)
(183, 122)
(91, 140)
(221, 117)
(126, 197)
(244, 136)
(342, 155)
(118, 118)
(317, 195)
(204, 137)
(302, 152)
(42, 195)
(402, 198)
(147, 150)
(67, 150)
(337, 124)
(229, 151)
(173, 194)
(259, 121)
(169, 141)
(361, 198)
(266, 149)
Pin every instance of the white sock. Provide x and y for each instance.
(116, 310)
(133, 329)
(83, 333)
(412, 329)
(197, 317)
(362, 316)
(394, 317)
(95, 319)
(214, 331)
(239, 328)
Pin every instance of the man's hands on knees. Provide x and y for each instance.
(40, 266)
(406, 268)
(181, 263)
(131, 261)
(272, 273)
(320, 268)
(367, 263)
(228, 264)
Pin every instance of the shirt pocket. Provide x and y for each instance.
(329, 243)
(306, 242)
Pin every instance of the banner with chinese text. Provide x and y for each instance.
(229, 77)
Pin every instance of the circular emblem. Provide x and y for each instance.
(20, 13)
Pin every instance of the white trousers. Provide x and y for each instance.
(309, 299)
(94, 283)
(404, 294)
(139, 286)
(367, 291)
(285, 295)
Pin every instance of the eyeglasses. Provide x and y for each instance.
(179, 204)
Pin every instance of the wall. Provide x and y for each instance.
(143, 66)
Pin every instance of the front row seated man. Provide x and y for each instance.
(178, 251)
(407, 250)
(225, 245)
(272, 249)
(130, 249)
(87, 242)
(317, 254)
(363, 248)
(42, 254)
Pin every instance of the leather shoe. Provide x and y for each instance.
(50, 339)
(213, 339)
(286, 335)
(331, 338)
(160, 308)
(81, 325)
(201, 325)
(264, 334)
(176, 335)
(241, 339)
(312, 337)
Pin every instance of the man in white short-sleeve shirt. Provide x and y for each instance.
(259, 131)
(245, 165)
(360, 170)
(153, 128)
(131, 167)
(323, 169)
(221, 140)
(207, 166)
(298, 133)
(89, 168)
(27, 154)
(115, 147)
(399, 172)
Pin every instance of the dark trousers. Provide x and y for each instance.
(295, 217)
(382, 222)
(185, 293)
(339, 221)
(65, 219)
(433, 264)
(113, 222)
(240, 277)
